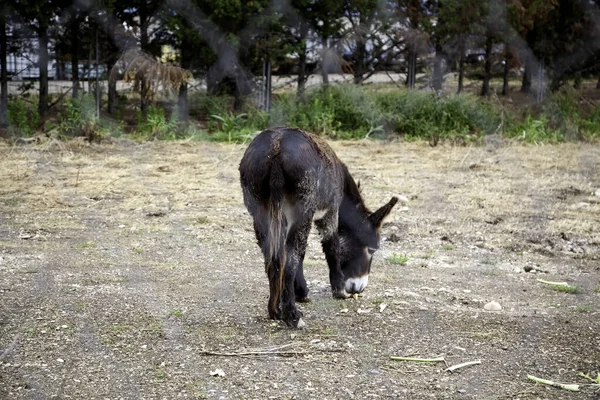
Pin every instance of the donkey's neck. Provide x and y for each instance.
(353, 211)
(352, 193)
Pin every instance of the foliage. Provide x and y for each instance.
(535, 131)
(80, 120)
(425, 115)
(396, 258)
(22, 120)
(157, 125)
(561, 119)
(350, 111)
(229, 122)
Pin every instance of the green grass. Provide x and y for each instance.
(396, 258)
(159, 375)
(176, 313)
(329, 332)
(566, 289)
(202, 220)
(536, 131)
(448, 247)
(584, 309)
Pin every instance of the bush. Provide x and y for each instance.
(419, 115)
(157, 125)
(79, 118)
(350, 111)
(536, 131)
(347, 111)
(203, 105)
(22, 120)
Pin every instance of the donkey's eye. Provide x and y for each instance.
(372, 250)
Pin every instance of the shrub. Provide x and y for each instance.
(422, 115)
(203, 105)
(350, 111)
(22, 120)
(79, 119)
(536, 131)
(157, 125)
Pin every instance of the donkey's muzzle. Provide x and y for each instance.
(357, 285)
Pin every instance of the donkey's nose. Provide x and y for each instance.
(357, 285)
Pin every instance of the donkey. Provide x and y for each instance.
(289, 179)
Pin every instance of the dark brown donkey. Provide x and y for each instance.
(290, 179)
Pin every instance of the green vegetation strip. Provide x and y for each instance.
(560, 286)
(570, 387)
(417, 359)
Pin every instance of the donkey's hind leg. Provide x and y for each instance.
(273, 263)
(296, 242)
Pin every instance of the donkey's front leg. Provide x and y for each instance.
(328, 228)
(331, 247)
(300, 283)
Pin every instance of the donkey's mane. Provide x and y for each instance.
(352, 192)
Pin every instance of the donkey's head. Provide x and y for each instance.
(359, 233)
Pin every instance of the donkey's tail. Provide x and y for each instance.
(275, 264)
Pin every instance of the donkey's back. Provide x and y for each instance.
(291, 166)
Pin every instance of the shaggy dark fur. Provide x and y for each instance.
(290, 178)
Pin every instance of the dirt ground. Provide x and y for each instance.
(125, 267)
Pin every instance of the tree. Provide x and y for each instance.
(413, 15)
(365, 37)
(141, 15)
(327, 24)
(194, 52)
(38, 15)
(237, 33)
(527, 18)
(320, 17)
(74, 23)
(3, 72)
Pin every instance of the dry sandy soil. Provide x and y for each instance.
(125, 267)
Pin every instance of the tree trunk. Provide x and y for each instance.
(412, 67)
(112, 94)
(577, 81)
(89, 66)
(43, 65)
(437, 69)
(506, 71)
(3, 72)
(302, 60)
(75, 53)
(144, 89)
(526, 82)
(485, 88)
(182, 100)
(359, 60)
(461, 67)
(325, 62)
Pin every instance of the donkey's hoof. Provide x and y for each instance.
(304, 300)
(301, 324)
(341, 294)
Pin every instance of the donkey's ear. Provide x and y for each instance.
(377, 217)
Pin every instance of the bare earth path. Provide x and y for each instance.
(122, 266)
